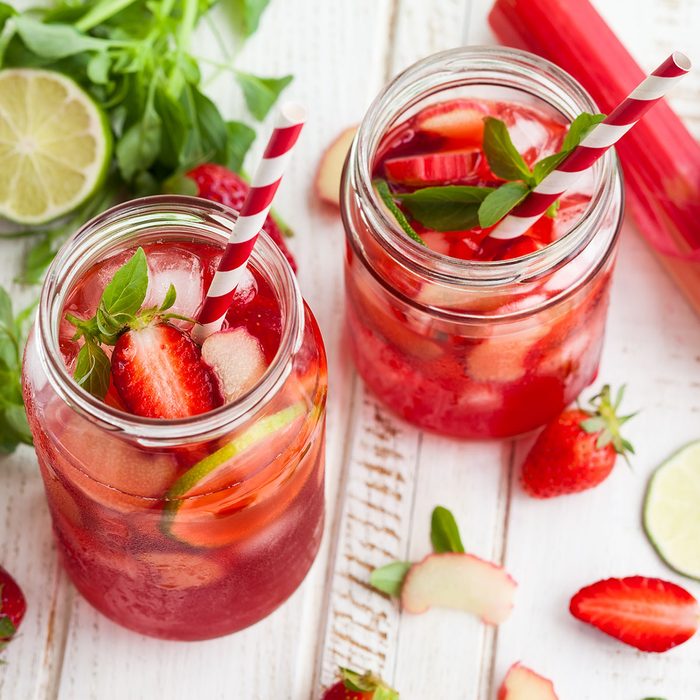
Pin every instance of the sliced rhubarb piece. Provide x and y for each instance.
(440, 168)
(461, 582)
(459, 120)
(237, 360)
(330, 167)
(522, 683)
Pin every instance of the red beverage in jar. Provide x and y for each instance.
(469, 335)
(196, 526)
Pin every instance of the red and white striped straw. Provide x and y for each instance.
(597, 142)
(251, 218)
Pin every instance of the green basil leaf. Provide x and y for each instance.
(170, 297)
(175, 129)
(139, 147)
(389, 579)
(55, 40)
(503, 157)
(125, 294)
(444, 533)
(16, 417)
(382, 188)
(92, 369)
(500, 202)
(239, 139)
(247, 14)
(449, 208)
(98, 68)
(579, 128)
(6, 11)
(546, 165)
(261, 93)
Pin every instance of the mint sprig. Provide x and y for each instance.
(444, 536)
(119, 309)
(459, 207)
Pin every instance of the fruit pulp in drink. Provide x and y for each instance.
(216, 556)
(518, 354)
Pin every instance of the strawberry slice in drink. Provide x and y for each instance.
(158, 373)
(440, 168)
(461, 121)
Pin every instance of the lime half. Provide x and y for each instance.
(55, 145)
(672, 511)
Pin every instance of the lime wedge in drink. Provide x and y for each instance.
(672, 511)
(55, 145)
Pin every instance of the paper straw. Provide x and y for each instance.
(251, 218)
(602, 137)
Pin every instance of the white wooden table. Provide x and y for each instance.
(384, 477)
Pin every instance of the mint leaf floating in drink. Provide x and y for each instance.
(384, 192)
(448, 208)
(504, 159)
(500, 202)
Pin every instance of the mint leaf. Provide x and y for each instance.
(240, 138)
(449, 208)
(382, 188)
(444, 533)
(247, 14)
(55, 40)
(500, 202)
(92, 369)
(170, 297)
(503, 157)
(579, 128)
(543, 167)
(389, 579)
(139, 147)
(261, 93)
(125, 294)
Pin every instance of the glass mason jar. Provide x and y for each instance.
(475, 348)
(214, 551)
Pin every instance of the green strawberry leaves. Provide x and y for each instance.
(606, 423)
(367, 683)
(460, 207)
(444, 536)
(119, 308)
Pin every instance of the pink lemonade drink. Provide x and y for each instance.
(456, 331)
(199, 524)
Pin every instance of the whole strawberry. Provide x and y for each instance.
(12, 607)
(354, 686)
(219, 184)
(577, 450)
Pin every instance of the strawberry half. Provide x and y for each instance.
(646, 613)
(158, 372)
(354, 686)
(12, 607)
(458, 120)
(219, 184)
(577, 450)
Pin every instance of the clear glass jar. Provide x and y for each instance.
(472, 348)
(215, 550)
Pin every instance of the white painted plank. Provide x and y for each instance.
(276, 658)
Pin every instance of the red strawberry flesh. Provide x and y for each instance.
(219, 184)
(158, 373)
(647, 613)
(340, 692)
(12, 605)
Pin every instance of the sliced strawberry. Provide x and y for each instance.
(12, 607)
(354, 686)
(460, 120)
(219, 184)
(647, 613)
(435, 168)
(158, 373)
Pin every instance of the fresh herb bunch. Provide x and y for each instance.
(134, 57)
(461, 207)
(14, 428)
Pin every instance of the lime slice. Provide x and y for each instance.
(672, 511)
(55, 145)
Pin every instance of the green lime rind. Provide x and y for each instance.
(671, 514)
(205, 468)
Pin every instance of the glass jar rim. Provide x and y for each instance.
(419, 81)
(213, 221)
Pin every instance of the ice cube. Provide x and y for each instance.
(181, 268)
(237, 358)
